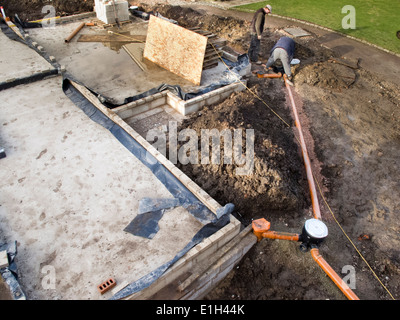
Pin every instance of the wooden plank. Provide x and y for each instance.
(176, 49)
(112, 38)
(217, 43)
(135, 51)
(212, 54)
(209, 65)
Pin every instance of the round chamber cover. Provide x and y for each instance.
(316, 228)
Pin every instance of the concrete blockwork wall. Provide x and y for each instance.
(185, 108)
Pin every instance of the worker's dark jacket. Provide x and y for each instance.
(257, 24)
(287, 44)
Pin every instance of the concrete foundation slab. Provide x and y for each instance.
(104, 67)
(18, 61)
(68, 189)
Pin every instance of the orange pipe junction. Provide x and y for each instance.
(261, 230)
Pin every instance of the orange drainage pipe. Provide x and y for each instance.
(333, 275)
(261, 231)
(281, 235)
(269, 75)
(317, 213)
(75, 32)
(310, 178)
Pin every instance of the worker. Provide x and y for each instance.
(283, 50)
(256, 29)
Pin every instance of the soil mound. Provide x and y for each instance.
(277, 182)
(326, 75)
(232, 29)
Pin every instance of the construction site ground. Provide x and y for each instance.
(351, 120)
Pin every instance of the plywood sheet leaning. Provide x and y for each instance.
(176, 49)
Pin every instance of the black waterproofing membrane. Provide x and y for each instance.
(150, 213)
(234, 67)
(29, 79)
(145, 224)
(10, 273)
(144, 282)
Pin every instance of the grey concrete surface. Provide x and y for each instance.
(18, 61)
(68, 188)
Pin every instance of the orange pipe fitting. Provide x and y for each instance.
(333, 275)
(260, 226)
(261, 230)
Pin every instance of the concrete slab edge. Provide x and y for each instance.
(203, 253)
(207, 246)
(25, 39)
(200, 269)
(25, 80)
(220, 269)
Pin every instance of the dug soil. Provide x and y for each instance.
(351, 124)
(29, 10)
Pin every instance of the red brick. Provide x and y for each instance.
(106, 285)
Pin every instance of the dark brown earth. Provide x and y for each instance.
(350, 120)
(276, 183)
(32, 9)
(351, 123)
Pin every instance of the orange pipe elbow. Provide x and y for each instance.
(333, 275)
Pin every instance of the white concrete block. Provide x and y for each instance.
(3, 259)
(213, 99)
(106, 10)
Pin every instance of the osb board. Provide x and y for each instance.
(135, 51)
(176, 49)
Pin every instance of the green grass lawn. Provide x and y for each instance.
(376, 21)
